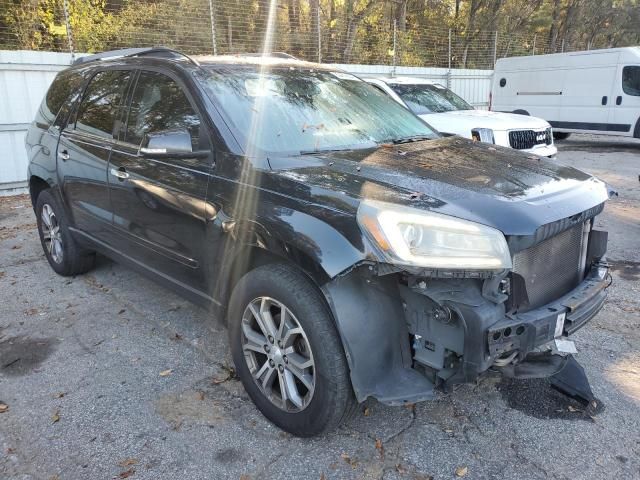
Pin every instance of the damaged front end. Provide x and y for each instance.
(410, 329)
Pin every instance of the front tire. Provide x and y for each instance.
(63, 253)
(561, 135)
(287, 351)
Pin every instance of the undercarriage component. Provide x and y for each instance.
(573, 382)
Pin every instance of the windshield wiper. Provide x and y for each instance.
(414, 138)
(323, 150)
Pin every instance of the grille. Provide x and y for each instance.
(553, 267)
(526, 139)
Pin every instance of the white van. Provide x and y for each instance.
(597, 91)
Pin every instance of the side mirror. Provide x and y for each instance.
(170, 144)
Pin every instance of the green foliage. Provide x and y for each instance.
(360, 31)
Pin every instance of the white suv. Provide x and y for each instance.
(450, 114)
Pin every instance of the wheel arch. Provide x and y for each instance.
(521, 112)
(37, 185)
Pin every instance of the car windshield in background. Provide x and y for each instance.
(292, 110)
(422, 99)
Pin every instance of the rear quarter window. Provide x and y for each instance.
(62, 88)
(631, 80)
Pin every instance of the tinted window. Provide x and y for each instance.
(60, 90)
(631, 81)
(100, 104)
(423, 99)
(159, 104)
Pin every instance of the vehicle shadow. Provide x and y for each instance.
(599, 144)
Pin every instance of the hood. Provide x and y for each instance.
(500, 187)
(461, 122)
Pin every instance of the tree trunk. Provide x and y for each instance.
(401, 15)
(314, 11)
(553, 31)
(353, 22)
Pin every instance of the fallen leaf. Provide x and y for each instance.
(322, 477)
(3, 407)
(11, 451)
(400, 469)
(571, 408)
(380, 447)
(127, 473)
(245, 477)
(349, 460)
(366, 412)
(16, 247)
(121, 311)
(200, 395)
(55, 417)
(127, 462)
(165, 373)
(58, 395)
(31, 311)
(461, 471)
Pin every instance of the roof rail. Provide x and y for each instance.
(131, 52)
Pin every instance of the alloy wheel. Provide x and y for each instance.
(278, 354)
(51, 233)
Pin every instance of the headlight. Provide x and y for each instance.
(484, 135)
(408, 236)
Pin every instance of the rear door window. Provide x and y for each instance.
(100, 106)
(631, 80)
(159, 104)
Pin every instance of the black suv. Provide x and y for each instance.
(352, 250)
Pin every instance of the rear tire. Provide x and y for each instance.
(63, 253)
(561, 135)
(318, 397)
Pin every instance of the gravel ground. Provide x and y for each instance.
(81, 362)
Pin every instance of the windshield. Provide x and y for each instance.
(294, 110)
(422, 99)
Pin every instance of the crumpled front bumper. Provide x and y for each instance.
(527, 331)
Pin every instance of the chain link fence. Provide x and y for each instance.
(308, 29)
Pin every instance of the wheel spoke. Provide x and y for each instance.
(267, 318)
(297, 366)
(292, 332)
(268, 378)
(45, 217)
(254, 340)
(288, 384)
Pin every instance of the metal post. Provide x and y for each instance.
(319, 34)
(449, 63)
(562, 50)
(495, 48)
(535, 36)
(65, 6)
(213, 28)
(395, 34)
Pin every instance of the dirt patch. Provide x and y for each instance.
(22, 355)
(191, 407)
(537, 398)
(627, 270)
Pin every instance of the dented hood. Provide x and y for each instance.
(495, 186)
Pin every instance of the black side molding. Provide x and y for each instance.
(602, 127)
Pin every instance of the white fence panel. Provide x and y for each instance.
(25, 77)
(472, 85)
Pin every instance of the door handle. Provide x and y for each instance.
(120, 174)
(64, 155)
(619, 100)
(604, 100)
